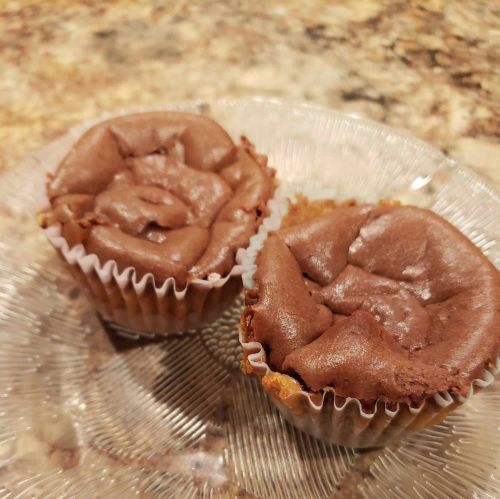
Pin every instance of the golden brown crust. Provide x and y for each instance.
(305, 209)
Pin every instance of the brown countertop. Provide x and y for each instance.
(431, 67)
(427, 66)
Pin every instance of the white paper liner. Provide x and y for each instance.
(183, 315)
(184, 312)
(109, 270)
(343, 420)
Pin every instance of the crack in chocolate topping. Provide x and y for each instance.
(166, 193)
(377, 302)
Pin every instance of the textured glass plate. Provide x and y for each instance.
(86, 414)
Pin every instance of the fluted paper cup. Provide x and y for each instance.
(140, 304)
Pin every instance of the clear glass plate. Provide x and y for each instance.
(84, 413)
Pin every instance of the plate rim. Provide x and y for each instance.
(293, 104)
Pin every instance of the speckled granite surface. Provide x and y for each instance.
(431, 67)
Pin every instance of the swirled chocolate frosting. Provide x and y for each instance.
(377, 302)
(165, 193)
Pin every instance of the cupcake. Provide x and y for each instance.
(365, 322)
(149, 211)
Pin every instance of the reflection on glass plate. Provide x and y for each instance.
(87, 413)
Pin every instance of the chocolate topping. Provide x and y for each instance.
(286, 316)
(166, 193)
(377, 302)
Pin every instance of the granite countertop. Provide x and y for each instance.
(431, 67)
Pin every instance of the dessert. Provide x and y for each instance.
(379, 303)
(167, 198)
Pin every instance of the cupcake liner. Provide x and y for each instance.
(336, 419)
(134, 307)
(139, 304)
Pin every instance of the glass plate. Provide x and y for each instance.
(86, 413)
